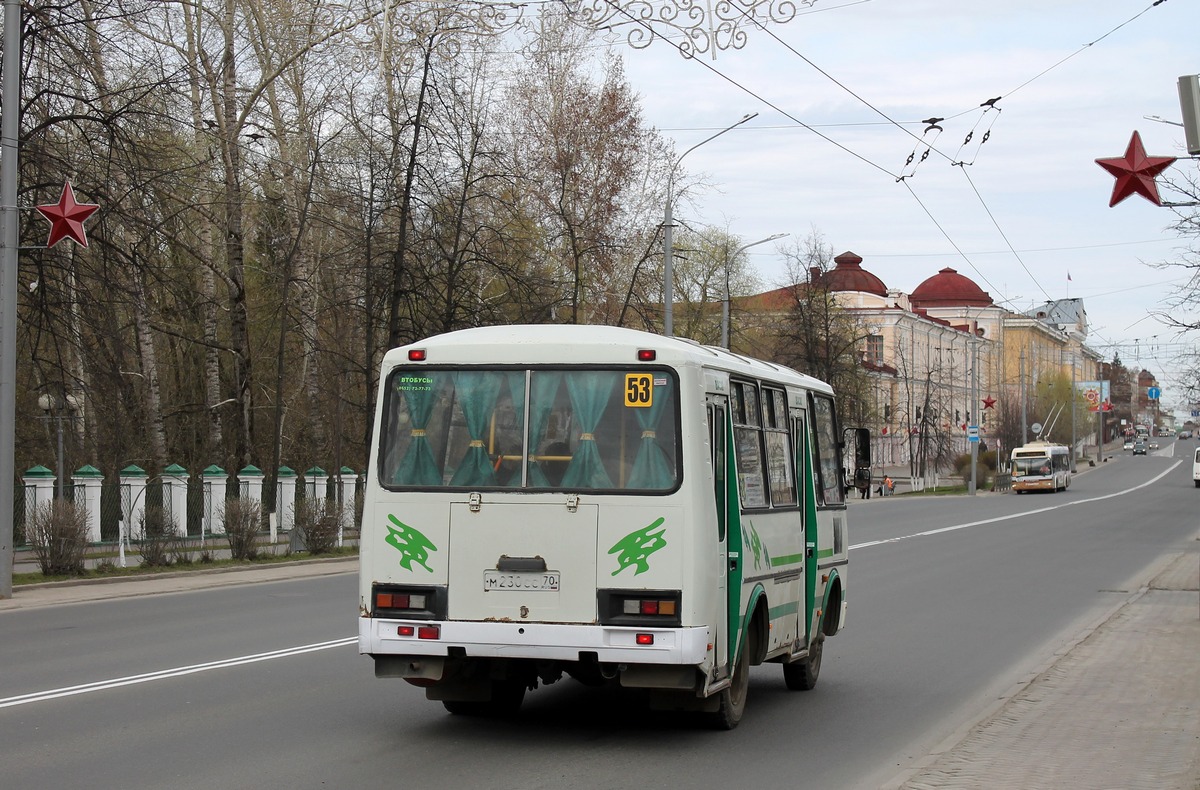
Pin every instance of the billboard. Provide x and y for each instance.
(1096, 393)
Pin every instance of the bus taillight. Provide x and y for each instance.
(406, 602)
(640, 607)
(650, 607)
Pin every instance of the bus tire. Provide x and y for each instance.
(802, 675)
(732, 700)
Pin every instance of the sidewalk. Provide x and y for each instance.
(29, 596)
(1117, 708)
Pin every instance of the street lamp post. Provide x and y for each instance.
(725, 301)
(668, 251)
(58, 410)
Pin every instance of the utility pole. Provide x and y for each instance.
(974, 440)
(10, 130)
(1024, 392)
(1073, 394)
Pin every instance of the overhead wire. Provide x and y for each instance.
(654, 33)
(989, 110)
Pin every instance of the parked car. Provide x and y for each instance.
(1139, 447)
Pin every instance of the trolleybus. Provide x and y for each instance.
(611, 505)
(1041, 466)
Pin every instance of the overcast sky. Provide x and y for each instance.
(1075, 77)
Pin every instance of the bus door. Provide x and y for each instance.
(808, 514)
(727, 561)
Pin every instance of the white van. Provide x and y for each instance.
(1196, 469)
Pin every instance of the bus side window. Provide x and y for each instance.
(827, 454)
(748, 446)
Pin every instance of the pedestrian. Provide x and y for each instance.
(888, 486)
(862, 481)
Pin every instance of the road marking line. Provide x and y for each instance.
(100, 685)
(1022, 514)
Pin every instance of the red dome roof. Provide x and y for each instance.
(849, 275)
(948, 288)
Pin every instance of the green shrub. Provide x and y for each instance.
(58, 535)
(317, 522)
(986, 462)
(983, 475)
(158, 537)
(242, 520)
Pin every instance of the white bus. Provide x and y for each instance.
(618, 506)
(1041, 466)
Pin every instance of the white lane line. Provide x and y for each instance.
(1022, 514)
(100, 685)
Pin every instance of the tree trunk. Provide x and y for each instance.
(399, 272)
(239, 334)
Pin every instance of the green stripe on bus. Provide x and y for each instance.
(776, 612)
(787, 559)
(823, 553)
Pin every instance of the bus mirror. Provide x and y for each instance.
(862, 447)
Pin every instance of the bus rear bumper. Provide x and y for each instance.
(545, 641)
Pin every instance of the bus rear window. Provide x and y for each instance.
(588, 429)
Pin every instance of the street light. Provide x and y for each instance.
(58, 409)
(725, 302)
(668, 252)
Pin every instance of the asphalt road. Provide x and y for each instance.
(951, 602)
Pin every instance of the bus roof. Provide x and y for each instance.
(1040, 447)
(558, 344)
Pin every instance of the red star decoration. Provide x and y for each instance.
(66, 217)
(1135, 172)
(989, 402)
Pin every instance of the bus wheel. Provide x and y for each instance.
(733, 698)
(802, 675)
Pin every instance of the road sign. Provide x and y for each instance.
(1153, 393)
(972, 433)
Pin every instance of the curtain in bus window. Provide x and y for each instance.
(543, 389)
(590, 392)
(516, 388)
(651, 467)
(476, 392)
(417, 467)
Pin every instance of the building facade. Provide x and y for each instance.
(945, 359)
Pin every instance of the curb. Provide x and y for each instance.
(148, 577)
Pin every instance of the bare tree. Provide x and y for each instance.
(816, 335)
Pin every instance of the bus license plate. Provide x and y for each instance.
(523, 580)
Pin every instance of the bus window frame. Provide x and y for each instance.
(390, 393)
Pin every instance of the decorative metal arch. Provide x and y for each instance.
(694, 27)
(704, 26)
